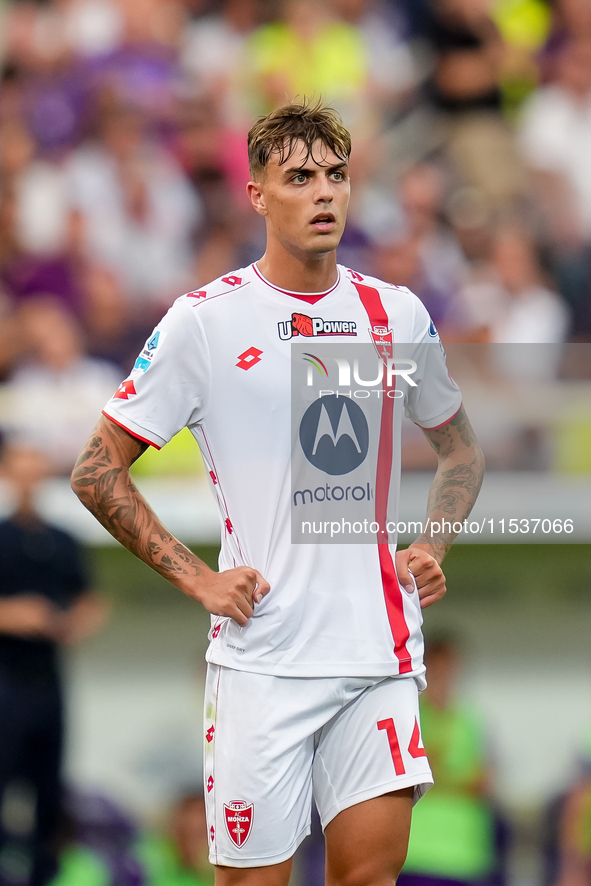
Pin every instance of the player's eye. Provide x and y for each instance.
(338, 176)
(300, 178)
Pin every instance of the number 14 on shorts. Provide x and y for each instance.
(414, 748)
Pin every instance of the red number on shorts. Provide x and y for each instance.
(414, 749)
(388, 725)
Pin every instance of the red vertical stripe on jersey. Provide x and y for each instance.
(376, 312)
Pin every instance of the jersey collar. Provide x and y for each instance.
(310, 297)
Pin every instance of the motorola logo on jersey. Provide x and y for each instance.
(313, 327)
(334, 435)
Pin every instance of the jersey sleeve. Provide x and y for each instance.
(168, 387)
(436, 397)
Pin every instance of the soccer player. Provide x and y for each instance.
(315, 660)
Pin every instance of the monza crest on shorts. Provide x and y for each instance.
(383, 340)
(238, 817)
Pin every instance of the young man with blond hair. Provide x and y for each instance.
(315, 660)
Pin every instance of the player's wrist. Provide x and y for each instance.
(437, 551)
(195, 584)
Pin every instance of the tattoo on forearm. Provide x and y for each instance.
(456, 484)
(455, 488)
(106, 489)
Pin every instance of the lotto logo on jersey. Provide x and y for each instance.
(313, 327)
(125, 390)
(238, 817)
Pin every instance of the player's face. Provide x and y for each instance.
(305, 199)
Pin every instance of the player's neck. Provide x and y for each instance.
(298, 273)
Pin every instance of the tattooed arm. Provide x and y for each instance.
(453, 492)
(102, 482)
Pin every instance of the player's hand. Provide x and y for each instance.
(233, 592)
(417, 562)
(28, 615)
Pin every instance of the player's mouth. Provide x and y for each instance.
(324, 222)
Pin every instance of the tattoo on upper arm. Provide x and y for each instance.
(443, 440)
(102, 482)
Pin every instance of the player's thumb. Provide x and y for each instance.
(405, 577)
(263, 587)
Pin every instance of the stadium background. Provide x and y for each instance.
(122, 171)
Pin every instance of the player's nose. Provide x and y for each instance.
(323, 193)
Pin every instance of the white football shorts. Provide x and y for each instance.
(273, 743)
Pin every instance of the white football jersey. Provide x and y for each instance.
(219, 363)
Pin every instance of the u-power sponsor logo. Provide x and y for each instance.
(314, 327)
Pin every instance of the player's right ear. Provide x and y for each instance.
(256, 197)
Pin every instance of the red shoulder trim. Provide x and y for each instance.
(132, 433)
(443, 423)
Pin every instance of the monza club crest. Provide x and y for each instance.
(383, 339)
(238, 817)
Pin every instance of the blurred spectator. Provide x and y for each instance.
(556, 141)
(56, 392)
(44, 602)
(567, 831)
(142, 70)
(123, 156)
(78, 864)
(93, 27)
(574, 837)
(465, 88)
(531, 312)
(391, 66)
(48, 87)
(311, 52)
(113, 332)
(213, 154)
(570, 19)
(180, 857)
(403, 264)
(139, 211)
(468, 56)
(96, 840)
(213, 54)
(524, 26)
(38, 251)
(514, 304)
(452, 839)
(426, 256)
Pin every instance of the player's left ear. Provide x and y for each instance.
(256, 197)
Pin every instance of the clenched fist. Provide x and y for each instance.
(232, 593)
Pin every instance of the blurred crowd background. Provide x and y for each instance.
(122, 185)
(123, 164)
